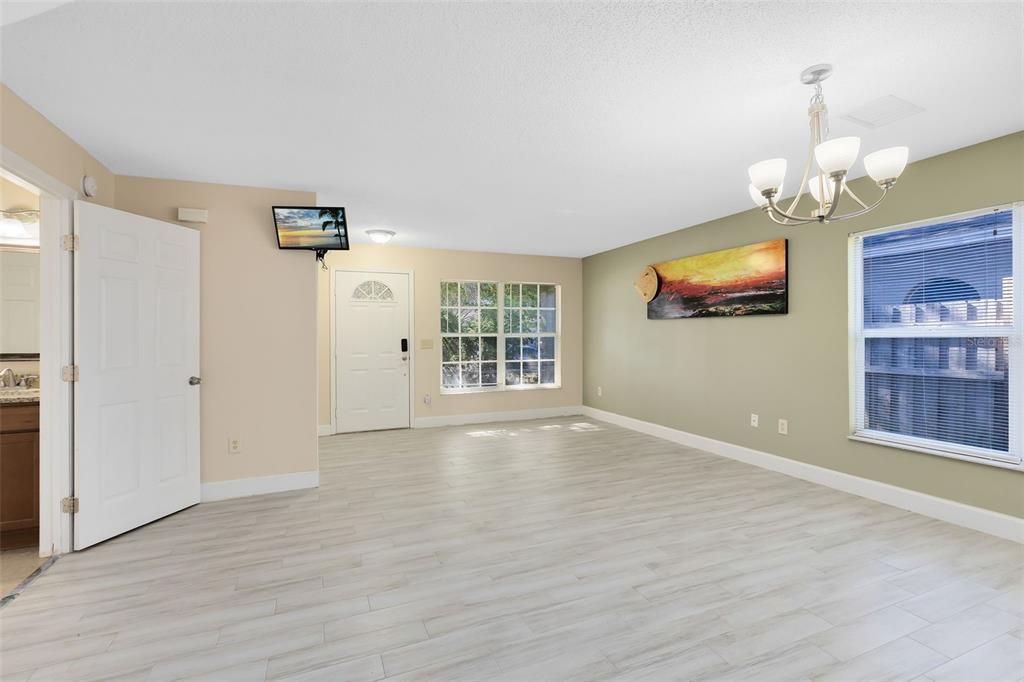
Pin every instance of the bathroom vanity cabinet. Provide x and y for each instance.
(19, 475)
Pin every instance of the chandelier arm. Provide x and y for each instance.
(866, 209)
(807, 173)
(783, 222)
(836, 194)
(855, 197)
(776, 210)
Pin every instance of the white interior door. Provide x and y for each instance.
(372, 351)
(137, 351)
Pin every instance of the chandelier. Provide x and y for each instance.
(834, 159)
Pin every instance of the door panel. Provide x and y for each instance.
(371, 371)
(136, 345)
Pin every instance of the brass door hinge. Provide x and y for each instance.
(69, 373)
(70, 242)
(69, 505)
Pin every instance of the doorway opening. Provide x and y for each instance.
(20, 393)
(40, 432)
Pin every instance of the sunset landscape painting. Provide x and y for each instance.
(745, 280)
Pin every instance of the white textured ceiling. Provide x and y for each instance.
(561, 129)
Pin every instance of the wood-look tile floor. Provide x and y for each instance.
(562, 549)
(16, 565)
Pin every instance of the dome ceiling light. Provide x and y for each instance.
(380, 236)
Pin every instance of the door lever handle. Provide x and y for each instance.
(194, 381)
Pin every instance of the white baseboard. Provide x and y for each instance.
(975, 518)
(325, 430)
(507, 416)
(260, 485)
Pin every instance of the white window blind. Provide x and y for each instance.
(937, 332)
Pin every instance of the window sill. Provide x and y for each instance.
(925, 449)
(500, 389)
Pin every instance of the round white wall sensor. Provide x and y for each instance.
(89, 186)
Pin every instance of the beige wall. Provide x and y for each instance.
(430, 266)
(14, 196)
(27, 133)
(706, 376)
(257, 321)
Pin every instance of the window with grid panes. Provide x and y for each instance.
(469, 335)
(530, 326)
(498, 335)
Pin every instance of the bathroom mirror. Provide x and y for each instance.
(19, 303)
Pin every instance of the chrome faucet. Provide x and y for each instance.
(8, 378)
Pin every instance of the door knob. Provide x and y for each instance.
(194, 381)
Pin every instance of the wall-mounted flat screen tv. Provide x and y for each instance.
(319, 228)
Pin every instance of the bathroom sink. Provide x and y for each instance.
(19, 395)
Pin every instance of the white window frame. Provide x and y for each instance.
(501, 385)
(858, 335)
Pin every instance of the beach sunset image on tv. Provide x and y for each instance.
(745, 280)
(311, 227)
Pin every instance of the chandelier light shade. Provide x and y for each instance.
(756, 195)
(769, 174)
(834, 158)
(886, 165)
(838, 155)
(820, 186)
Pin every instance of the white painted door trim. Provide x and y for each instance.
(335, 269)
(55, 350)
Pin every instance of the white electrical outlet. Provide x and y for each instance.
(753, 420)
(784, 427)
(426, 398)
(600, 391)
(234, 446)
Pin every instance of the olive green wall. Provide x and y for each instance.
(706, 376)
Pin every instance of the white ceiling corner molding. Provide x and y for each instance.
(559, 128)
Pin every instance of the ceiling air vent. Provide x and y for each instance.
(882, 112)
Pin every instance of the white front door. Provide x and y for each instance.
(372, 351)
(137, 351)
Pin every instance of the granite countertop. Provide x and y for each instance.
(19, 395)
